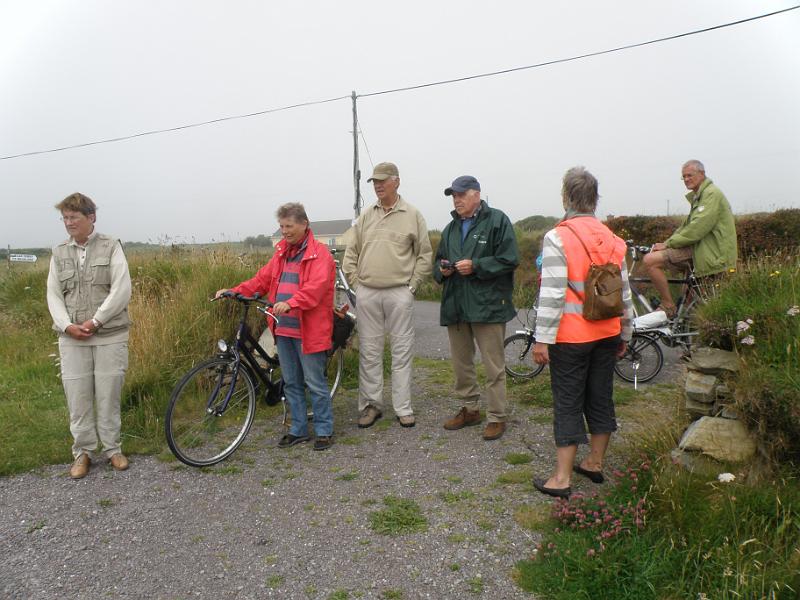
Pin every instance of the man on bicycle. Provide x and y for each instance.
(706, 239)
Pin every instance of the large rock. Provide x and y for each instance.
(714, 361)
(700, 387)
(694, 462)
(724, 439)
(699, 409)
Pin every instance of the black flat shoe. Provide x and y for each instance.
(595, 476)
(555, 492)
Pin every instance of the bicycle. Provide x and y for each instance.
(212, 407)
(517, 348)
(644, 359)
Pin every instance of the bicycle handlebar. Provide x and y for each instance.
(242, 298)
(637, 248)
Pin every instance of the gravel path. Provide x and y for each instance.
(278, 523)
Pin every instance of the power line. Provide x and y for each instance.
(405, 89)
(178, 128)
(577, 57)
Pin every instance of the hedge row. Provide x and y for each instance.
(758, 233)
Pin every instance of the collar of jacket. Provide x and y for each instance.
(480, 213)
(311, 246)
(92, 236)
(691, 196)
(398, 206)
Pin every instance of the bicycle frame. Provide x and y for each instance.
(245, 347)
(670, 333)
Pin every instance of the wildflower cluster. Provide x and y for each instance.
(741, 328)
(603, 518)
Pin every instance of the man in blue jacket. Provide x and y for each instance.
(475, 262)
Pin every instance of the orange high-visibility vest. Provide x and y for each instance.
(605, 247)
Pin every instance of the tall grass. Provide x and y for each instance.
(174, 326)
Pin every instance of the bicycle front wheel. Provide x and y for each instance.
(519, 356)
(642, 360)
(210, 413)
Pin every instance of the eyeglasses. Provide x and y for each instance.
(685, 177)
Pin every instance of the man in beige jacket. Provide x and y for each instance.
(88, 290)
(388, 256)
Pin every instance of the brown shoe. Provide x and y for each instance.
(494, 431)
(464, 418)
(407, 420)
(119, 462)
(80, 468)
(368, 417)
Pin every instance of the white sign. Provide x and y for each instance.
(23, 258)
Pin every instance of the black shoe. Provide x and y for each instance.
(323, 442)
(555, 492)
(291, 440)
(595, 476)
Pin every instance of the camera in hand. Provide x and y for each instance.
(445, 264)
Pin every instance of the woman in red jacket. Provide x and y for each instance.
(299, 281)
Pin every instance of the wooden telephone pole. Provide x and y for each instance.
(356, 168)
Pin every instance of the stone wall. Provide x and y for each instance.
(716, 430)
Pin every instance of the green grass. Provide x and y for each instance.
(454, 497)
(662, 532)
(401, 516)
(515, 476)
(518, 458)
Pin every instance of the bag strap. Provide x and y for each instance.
(589, 254)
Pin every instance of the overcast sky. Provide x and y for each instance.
(74, 72)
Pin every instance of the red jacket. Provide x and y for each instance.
(314, 298)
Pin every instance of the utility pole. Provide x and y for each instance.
(356, 169)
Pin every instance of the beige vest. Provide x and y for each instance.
(85, 289)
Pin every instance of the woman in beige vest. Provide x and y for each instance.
(88, 290)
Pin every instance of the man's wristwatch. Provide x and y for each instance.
(96, 324)
(412, 289)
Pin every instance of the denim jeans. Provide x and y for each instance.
(300, 370)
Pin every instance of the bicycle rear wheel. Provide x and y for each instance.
(333, 369)
(199, 432)
(519, 357)
(642, 360)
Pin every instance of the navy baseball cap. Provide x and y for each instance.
(462, 184)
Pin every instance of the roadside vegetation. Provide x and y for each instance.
(663, 532)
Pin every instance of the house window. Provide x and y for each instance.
(332, 242)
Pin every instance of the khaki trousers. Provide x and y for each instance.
(381, 312)
(489, 337)
(93, 378)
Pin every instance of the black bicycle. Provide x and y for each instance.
(213, 406)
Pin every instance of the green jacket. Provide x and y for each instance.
(485, 295)
(710, 229)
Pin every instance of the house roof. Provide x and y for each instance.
(319, 228)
